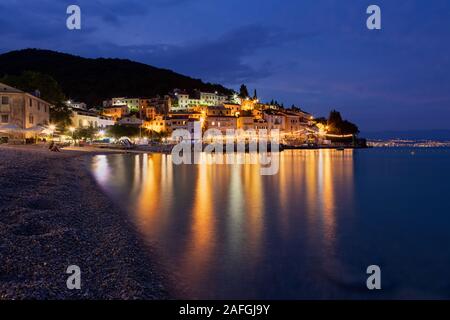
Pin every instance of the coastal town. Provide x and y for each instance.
(26, 118)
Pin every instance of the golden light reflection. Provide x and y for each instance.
(235, 221)
(201, 215)
(148, 198)
(201, 241)
(322, 178)
(101, 169)
(254, 207)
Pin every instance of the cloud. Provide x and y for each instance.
(226, 59)
(230, 58)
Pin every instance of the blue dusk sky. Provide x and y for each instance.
(317, 54)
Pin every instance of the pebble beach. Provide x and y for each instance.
(53, 215)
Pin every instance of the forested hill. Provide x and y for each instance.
(92, 80)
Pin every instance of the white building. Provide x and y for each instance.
(76, 105)
(84, 119)
(181, 101)
(185, 101)
(212, 99)
(132, 103)
(131, 121)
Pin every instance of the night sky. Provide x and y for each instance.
(317, 54)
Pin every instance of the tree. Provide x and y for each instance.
(30, 81)
(349, 128)
(60, 115)
(92, 80)
(85, 133)
(157, 136)
(118, 131)
(243, 91)
(255, 95)
(337, 125)
(334, 118)
(321, 120)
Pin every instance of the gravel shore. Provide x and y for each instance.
(53, 215)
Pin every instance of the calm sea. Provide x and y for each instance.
(310, 231)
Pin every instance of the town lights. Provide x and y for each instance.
(72, 129)
(101, 133)
(52, 129)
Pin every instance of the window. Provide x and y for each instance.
(5, 100)
(31, 119)
(39, 106)
(31, 102)
(5, 118)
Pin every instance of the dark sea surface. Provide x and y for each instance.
(308, 232)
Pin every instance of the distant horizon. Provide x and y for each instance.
(428, 134)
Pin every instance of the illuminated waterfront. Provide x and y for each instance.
(310, 231)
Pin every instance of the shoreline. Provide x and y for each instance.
(53, 215)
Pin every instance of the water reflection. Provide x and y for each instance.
(201, 239)
(226, 230)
